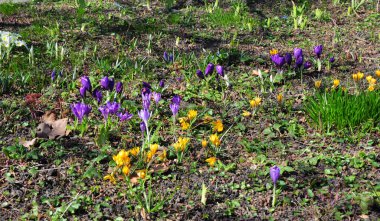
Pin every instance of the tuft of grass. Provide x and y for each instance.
(340, 110)
(9, 8)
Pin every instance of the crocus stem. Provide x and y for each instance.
(274, 196)
(173, 126)
(147, 133)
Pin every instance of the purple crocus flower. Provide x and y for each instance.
(274, 173)
(124, 117)
(80, 110)
(200, 74)
(307, 65)
(209, 69)
(278, 60)
(119, 87)
(105, 111)
(107, 83)
(318, 50)
(146, 98)
(297, 52)
(174, 107)
(299, 61)
(53, 74)
(220, 70)
(288, 58)
(162, 83)
(156, 97)
(144, 116)
(142, 127)
(166, 56)
(98, 95)
(82, 91)
(104, 82)
(331, 60)
(86, 83)
(111, 84)
(146, 104)
(147, 85)
(113, 107)
(176, 99)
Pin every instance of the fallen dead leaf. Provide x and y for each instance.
(58, 128)
(28, 143)
(48, 118)
(54, 129)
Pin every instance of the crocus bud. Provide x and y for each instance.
(166, 56)
(98, 95)
(297, 52)
(162, 83)
(288, 58)
(278, 60)
(307, 65)
(82, 91)
(220, 70)
(111, 84)
(147, 85)
(156, 97)
(104, 82)
(142, 127)
(274, 173)
(332, 59)
(200, 74)
(318, 50)
(119, 87)
(174, 108)
(176, 99)
(144, 115)
(209, 69)
(53, 74)
(299, 61)
(86, 83)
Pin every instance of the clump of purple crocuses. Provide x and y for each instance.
(80, 110)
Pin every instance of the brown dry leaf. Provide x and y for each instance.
(28, 143)
(134, 179)
(163, 167)
(58, 128)
(43, 130)
(48, 118)
(255, 72)
(364, 216)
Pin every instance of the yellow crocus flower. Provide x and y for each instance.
(141, 174)
(377, 72)
(192, 114)
(355, 77)
(110, 177)
(318, 83)
(273, 52)
(280, 98)
(218, 125)
(336, 83)
(211, 161)
(215, 139)
(360, 75)
(204, 143)
(126, 170)
(246, 113)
